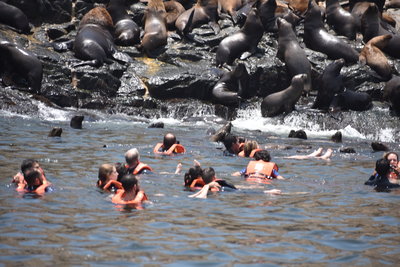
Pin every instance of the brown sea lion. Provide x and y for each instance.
(392, 4)
(372, 55)
(55, 132)
(292, 54)
(17, 61)
(126, 32)
(14, 17)
(203, 12)
(230, 7)
(318, 39)
(246, 39)
(174, 9)
(284, 101)
(341, 21)
(155, 28)
(299, 6)
(391, 93)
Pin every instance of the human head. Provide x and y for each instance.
(33, 177)
(169, 140)
(262, 155)
(382, 167)
(249, 146)
(121, 169)
(107, 172)
(192, 174)
(129, 182)
(208, 175)
(231, 143)
(393, 158)
(132, 156)
(29, 164)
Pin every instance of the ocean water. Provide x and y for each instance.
(325, 216)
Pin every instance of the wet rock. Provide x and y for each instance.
(348, 150)
(301, 134)
(55, 132)
(158, 124)
(76, 122)
(377, 146)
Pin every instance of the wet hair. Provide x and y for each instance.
(31, 176)
(382, 167)
(390, 153)
(229, 139)
(28, 164)
(262, 155)
(121, 169)
(129, 181)
(208, 175)
(104, 171)
(132, 155)
(192, 174)
(249, 146)
(169, 140)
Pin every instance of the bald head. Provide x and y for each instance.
(169, 140)
(132, 156)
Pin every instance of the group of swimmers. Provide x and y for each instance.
(122, 178)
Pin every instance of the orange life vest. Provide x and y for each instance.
(394, 176)
(260, 169)
(117, 198)
(139, 168)
(112, 183)
(175, 148)
(197, 183)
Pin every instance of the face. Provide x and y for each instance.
(114, 174)
(392, 158)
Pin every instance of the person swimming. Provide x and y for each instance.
(315, 154)
(130, 194)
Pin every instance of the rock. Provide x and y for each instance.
(377, 146)
(349, 150)
(158, 124)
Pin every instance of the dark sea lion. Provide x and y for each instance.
(155, 28)
(377, 146)
(203, 12)
(301, 134)
(266, 10)
(318, 39)
(351, 100)
(55, 132)
(76, 122)
(158, 124)
(391, 93)
(379, 3)
(329, 84)
(94, 41)
(371, 27)
(358, 11)
(126, 31)
(341, 21)
(232, 86)
(17, 61)
(372, 55)
(174, 9)
(219, 136)
(337, 137)
(284, 101)
(245, 40)
(292, 54)
(14, 17)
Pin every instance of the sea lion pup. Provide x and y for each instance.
(155, 28)
(94, 41)
(17, 61)
(341, 21)
(14, 17)
(372, 55)
(203, 12)
(351, 100)
(318, 39)
(284, 101)
(292, 54)
(391, 93)
(246, 39)
(232, 87)
(126, 31)
(174, 9)
(329, 84)
(371, 27)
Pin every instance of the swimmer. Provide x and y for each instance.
(130, 193)
(211, 183)
(382, 169)
(169, 146)
(34, 182)
(26, 165)
(134, 166)
(316, 154)
(108, 176)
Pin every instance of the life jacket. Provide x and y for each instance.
(139, 168)
(112, 184)
(393, 176)
(117, 198)
(174, 149)
(241, 153)
(260, 169)
(197, 183)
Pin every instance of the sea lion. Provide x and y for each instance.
(246, 39)
(232, 87)
(377, 146)
(292, 54)
(15, 60)
(392, 4)
(203, 12)
(371, 27)
(299, 6)
(284, 101)
(372, 55)
(155, 28)
(337, 137)
(351, 100)
(94, 42)
(230, 7)
(318, 39)
(76, 122)
(270, 10)
(391, 93)
(219, 136)
(14, 17)
(301, 134)
(341, 21)
(330, 83)
(174, 9)
(126, 31)
(55, 132)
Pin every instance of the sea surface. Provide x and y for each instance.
(325, 215)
